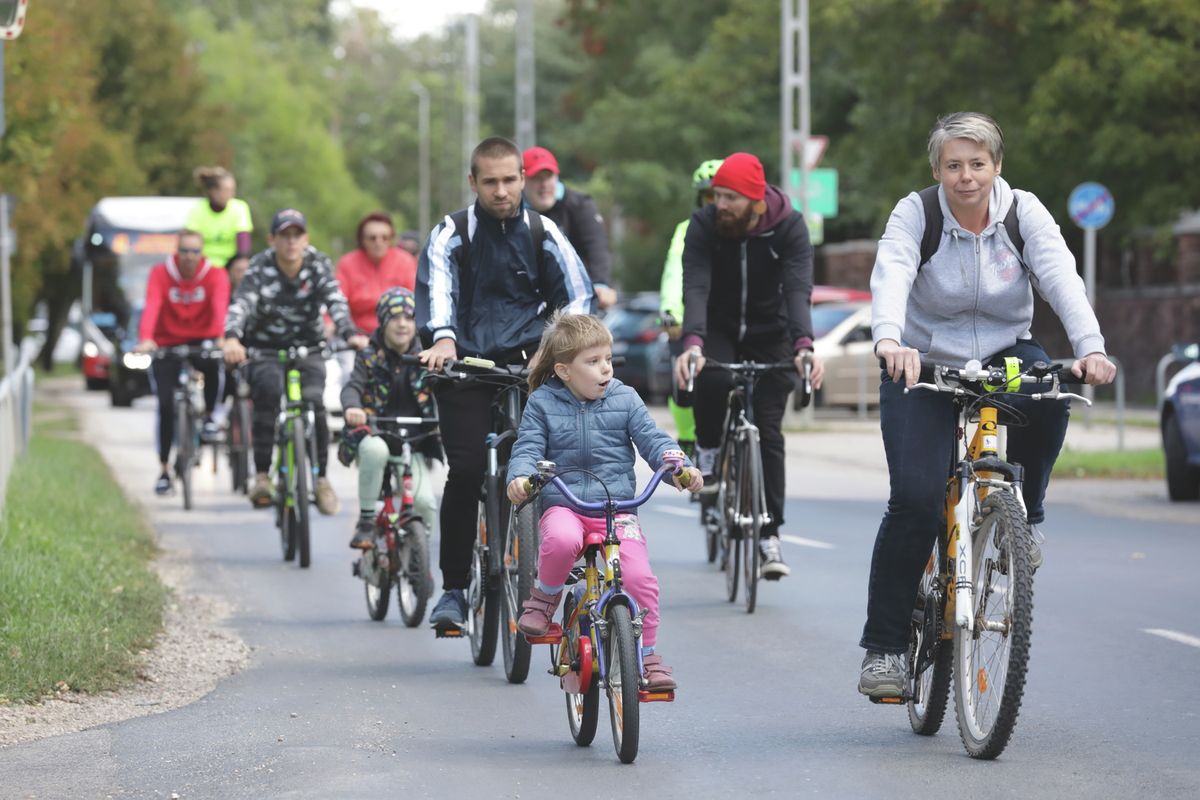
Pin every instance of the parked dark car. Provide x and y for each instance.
(129, 372)
(1180, 424)
(638, 336)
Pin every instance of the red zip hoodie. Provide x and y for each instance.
(179, 311)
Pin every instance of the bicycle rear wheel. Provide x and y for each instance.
(184, 456)
(412, 576)
(990, 662)
(518, 573)
(750, 512)
(302, 473)
(929, 656)
(583, 708)
(483, 595)
(623, 682)
(377, 582)
(239, 445)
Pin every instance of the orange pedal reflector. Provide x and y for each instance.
(553, 635)
(452, 633)
(892, 700)
(645, 696)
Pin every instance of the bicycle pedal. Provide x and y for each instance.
(647, 696)
(553, 635)
(890, 701)
(447, 633)
(356, 568)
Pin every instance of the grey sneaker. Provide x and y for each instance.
(327, 500)
(1035, 547)
(450, 611)
(883, 675)
(262, 494)
(772, 567)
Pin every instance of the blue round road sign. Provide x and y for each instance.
(1091, 205)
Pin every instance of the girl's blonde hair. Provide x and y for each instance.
(566, 336)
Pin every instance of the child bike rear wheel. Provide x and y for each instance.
(377, 583)
(623, 682)
(583, 708)
(412, 571)
(929, 656)
(990, 662)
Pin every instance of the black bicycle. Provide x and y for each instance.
(400, 553)
(733, 524)
(188, 403)
(238, 444)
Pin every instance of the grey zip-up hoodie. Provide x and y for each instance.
(974, 299)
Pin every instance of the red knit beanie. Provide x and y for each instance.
(743, 173)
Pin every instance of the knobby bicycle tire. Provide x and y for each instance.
(1000, 552)
(727, 509)
(518, 573)
(750, 507)
(929, 688)
(623, 682)
(377, 581)
(302, 472)
(412, 575)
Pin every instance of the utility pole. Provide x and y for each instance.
(470, 97)
(526, 121)
(422, 93)
(795, 107)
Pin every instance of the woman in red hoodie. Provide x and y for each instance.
(186, 300)
(377, 265)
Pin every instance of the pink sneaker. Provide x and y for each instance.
(658, 675)
(538, 611)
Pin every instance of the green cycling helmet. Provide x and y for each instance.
(702, 178)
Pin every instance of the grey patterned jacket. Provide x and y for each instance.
(271, 310)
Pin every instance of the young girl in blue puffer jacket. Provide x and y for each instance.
(580, 416)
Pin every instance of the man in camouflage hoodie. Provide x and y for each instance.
(382, 385)
(278, 305)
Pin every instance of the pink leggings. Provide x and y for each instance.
(562, 545)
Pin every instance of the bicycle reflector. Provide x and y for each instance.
(1012, 376)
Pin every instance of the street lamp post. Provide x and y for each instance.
(422, 154)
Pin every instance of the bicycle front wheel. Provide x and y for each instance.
(483, 595)
(184, 455)
(929, 656)
(727, 511)
(377, 582)
(623, 682)
(301, 471)
(750, 513)
(239, 445)
(517, 575)
(412, 576)
(990, 662)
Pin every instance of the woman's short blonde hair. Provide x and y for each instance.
(566, 336)
(971, 125)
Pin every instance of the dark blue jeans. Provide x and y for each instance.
(919, 439)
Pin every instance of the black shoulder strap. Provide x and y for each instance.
(932, 238)
(537, 230)
(462, 225)
(1013, 227)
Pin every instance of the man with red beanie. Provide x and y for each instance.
(186, 299)
(576, 216)
(747, 296)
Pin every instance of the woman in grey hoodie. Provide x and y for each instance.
(973, 299)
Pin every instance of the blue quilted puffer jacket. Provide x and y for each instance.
(596, 435)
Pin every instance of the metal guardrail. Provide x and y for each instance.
(16, 414)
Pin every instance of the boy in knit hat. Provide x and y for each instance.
(381, 385)
(750, 245)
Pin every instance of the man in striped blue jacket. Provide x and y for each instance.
(488, 278)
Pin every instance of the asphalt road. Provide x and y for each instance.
(334, 705)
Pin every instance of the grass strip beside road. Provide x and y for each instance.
(1146, 464)
(78, 600)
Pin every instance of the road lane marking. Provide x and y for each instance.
(800, 540)
(1174, 636)
(680, 512)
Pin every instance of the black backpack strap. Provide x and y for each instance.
(1013, 228)
(537, 229)
(932, 238)
(462, 225)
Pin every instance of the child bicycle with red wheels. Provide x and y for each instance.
(588, 423)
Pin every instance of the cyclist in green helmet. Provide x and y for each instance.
(671, 304)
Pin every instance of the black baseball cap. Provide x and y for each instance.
(287, 218)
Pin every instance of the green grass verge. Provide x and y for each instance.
(1146, 464)
(78, 600)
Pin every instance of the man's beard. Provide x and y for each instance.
(733, 227)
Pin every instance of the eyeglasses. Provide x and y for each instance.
(190, 251)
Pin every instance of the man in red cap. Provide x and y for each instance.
(747, 296)
(576, 216)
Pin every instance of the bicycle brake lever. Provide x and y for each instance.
(928, 386)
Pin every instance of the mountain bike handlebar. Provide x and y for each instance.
(204, 350)
(672, 463)
(975, 380)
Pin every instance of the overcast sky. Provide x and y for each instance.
(411, 18)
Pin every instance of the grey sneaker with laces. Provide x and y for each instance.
(883, 675)
(772, 567)
(1035, 547)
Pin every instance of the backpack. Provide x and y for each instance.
(931, 239)
(536, 228)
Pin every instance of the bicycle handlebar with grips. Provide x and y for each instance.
(673, 463)
(999, 380)
(205, 350)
